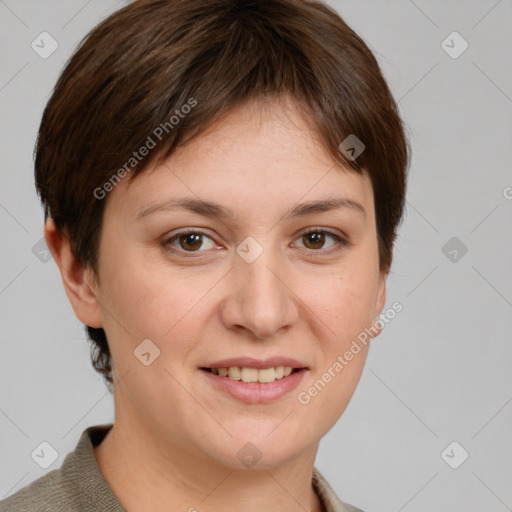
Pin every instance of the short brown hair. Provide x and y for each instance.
(141, 65)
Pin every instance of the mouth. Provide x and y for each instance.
(254, 380)
(250, 374)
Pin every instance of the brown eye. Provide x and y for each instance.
(316, 239)
(190, 241)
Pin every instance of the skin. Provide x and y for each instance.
(175, 438)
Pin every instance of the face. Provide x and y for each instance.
(257, 280)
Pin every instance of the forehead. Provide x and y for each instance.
(258, 154)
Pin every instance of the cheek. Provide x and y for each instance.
(344, 307)
(344, 301)
(147, 303)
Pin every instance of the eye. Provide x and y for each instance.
(315, 239)
(189, 241)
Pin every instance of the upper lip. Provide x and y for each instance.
(250, 362)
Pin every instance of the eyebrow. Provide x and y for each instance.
(216, 210)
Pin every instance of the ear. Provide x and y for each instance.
(79, 282)
(380, 302)
(381, 293)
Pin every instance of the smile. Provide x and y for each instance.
(248, 374)
(254, 385)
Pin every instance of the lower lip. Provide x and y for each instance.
(256, 392)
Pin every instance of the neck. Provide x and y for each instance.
(145, 474)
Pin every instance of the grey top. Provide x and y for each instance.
(79, 486)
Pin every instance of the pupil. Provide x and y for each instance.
(316, 239)
(191, 239)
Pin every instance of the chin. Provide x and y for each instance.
(256, 450)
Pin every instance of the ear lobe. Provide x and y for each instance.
(78, 281)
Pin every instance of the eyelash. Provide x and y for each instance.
(340, 242)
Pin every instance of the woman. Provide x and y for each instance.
(222, 184)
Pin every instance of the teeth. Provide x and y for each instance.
(267, 375)
(235, 373)
(247, 374)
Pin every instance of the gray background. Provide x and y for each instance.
(441, 370)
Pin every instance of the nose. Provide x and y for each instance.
(260, 297)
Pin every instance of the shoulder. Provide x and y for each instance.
(330, 500)
(47, 493)
(77, 486)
